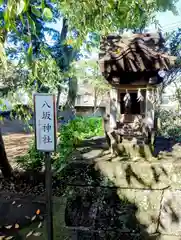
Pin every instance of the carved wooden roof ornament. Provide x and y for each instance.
(129, 59)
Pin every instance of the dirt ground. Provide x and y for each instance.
(16, 138)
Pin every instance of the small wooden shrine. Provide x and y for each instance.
(134, 66)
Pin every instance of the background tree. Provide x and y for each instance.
(11, 80)
(88, 73)
(109, 16)
(24, 22)
(50, 69)
(173, 77)
(89, 16)
(21, 24)
(64, 55)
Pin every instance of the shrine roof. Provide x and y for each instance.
(137, 54)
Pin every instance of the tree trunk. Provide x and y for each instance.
(95, 100)
(4, 164)
(58, 99)
(72, 93)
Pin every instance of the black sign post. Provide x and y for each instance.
(45, 137)
(48, 183)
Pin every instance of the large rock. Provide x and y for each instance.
(170, 218)
(142, 175)
(148, 206)
(135, 175)
(125, 211)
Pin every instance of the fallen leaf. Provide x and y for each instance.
(40, 225)
(19, 205)
(13, 202)
(16, 225)
(37, 234)
(33, 218)
(8, 238)
(8, 226)
(29, 234)
(38, 212)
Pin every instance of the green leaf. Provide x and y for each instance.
(42, 4)
(26, 5)
(47, 14)
(26, 38)
(3, 56)
(20, 7)
(22, 19)
(30, 54)
(36, 11)
(4, 107)
(10, 5)
(6, 18)
(32, 25)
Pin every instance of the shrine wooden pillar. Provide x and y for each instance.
(113, 107)
(151, 97)
(157, 101)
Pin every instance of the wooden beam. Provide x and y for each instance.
(133, 87)
(113, 107)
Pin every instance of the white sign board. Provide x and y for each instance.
(45, 122)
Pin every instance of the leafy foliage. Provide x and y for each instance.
(46, 74)
(62, 50)
(110, 16)
(172, 78)
(174, 43)
(64, 55)
(170, 130)
(88, 73)
(26, 19)
(29, 20)
(32, 160)
(13, 78)
(23, 23)
(70, 136)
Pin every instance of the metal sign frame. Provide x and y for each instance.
(48, 170)
(54, 120)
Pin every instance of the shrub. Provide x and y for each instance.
(32, 160)
(69, 137)
(170, 124)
